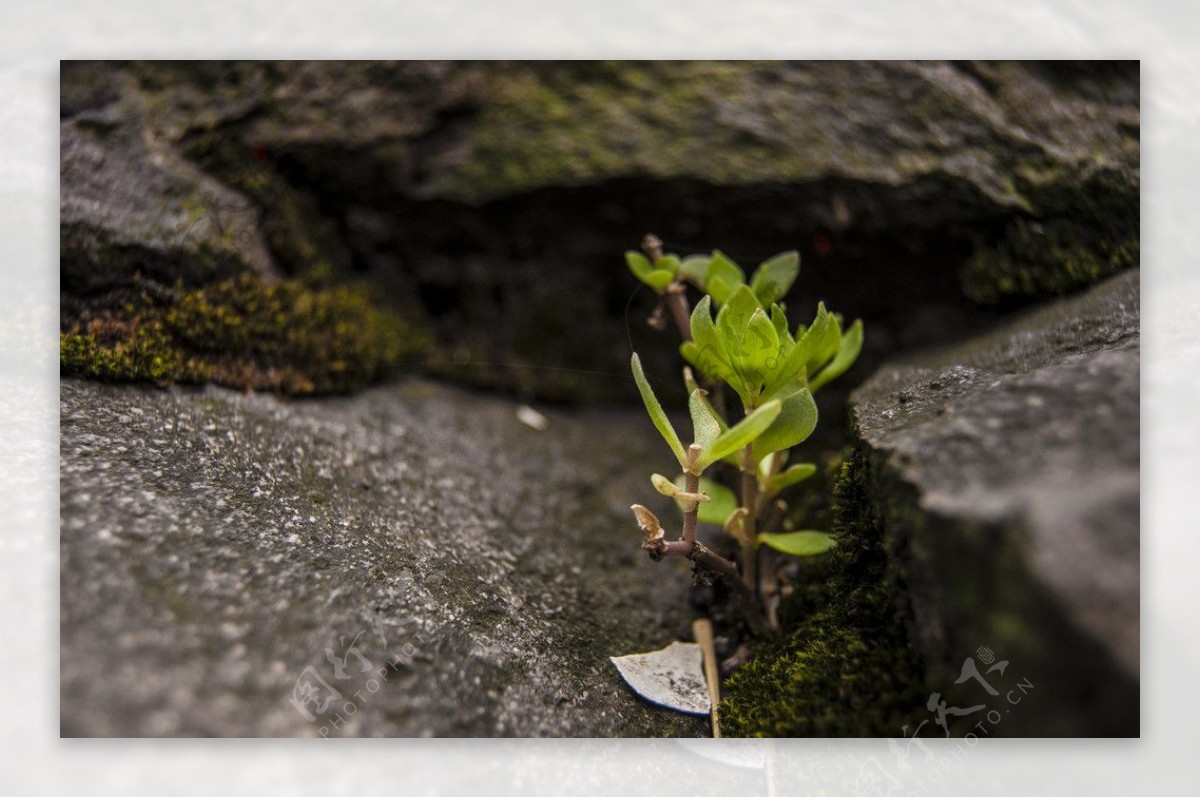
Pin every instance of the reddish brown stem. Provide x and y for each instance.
(676, 300)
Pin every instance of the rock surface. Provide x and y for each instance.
(1006, 475)
(497, 197)
(217, 546)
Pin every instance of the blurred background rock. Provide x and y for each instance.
(487, 204)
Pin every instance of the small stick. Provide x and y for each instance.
(702, 630)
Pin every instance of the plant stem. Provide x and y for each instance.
(691, 485)
(749, 501)
(675, 296)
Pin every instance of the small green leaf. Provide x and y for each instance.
(847, 353)
(796, 421)
(703, 421)
(798, 544)
(791, 476)
(657, 415)
(659, 279)
(723, 276)
(693, 269)
(721, 500)
(719, 289)
(822, 339)
(760, 345)
(779, 322)
(775, 276)
(639, 264)
(739, 435)
(710, 355)
(795, 363)
(733, 319)
(668, 263)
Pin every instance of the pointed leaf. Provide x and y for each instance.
(779, 322)
(723, 276)
(704, 424)
(711, 357)
(657, 415)
(823, 341)
(775, 276)
(760, 348)
(733, 319)
(798, 544)
(789, 477)
(847, 353)
(740, 434)
(796, 421)
(795, 364)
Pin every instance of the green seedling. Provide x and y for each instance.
(738, 337)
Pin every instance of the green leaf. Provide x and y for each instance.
(710, 355)
(780, 323)
(847, 353)
(795, 363)
(639, 264)
(775, 276)
(668, 263)
(808, 341)
(734, 318)
(693, 269)
(760, 349)
(719, 289)
(798, 544)
(721, 500)
(796, 420)
(656, 275)
(704, 422)
(822, 340)
(659, 279)
(739, 435)
(722, 277)
(791, 476)
(656, 413)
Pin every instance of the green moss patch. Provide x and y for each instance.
(244, 333)
(842, 666)
(1078, 238)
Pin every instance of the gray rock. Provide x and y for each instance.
(497, 197)
(1005, 472)
(442, 567)
(131, 204)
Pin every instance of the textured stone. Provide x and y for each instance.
(497, 197)
(1006, 470)
(216, 545)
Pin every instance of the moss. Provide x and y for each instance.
(1079, 237)
(842, 666)
(564, 123)
(127, 352)
(245, 333)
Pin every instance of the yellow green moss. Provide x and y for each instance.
(245, 333)
(842, 666)
(1078, 238)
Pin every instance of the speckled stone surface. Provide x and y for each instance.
(1007, 476)
(229, 561)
